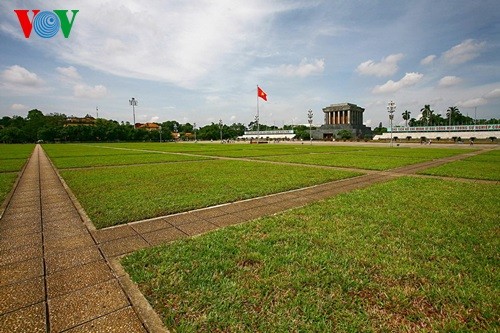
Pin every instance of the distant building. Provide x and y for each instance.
(455, 133)
(148, 126)
(343, 116)
(268, 135)
(77, 121)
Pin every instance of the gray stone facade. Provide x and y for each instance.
(343, 116)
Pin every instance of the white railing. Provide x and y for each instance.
(457, 128)
(268, 132)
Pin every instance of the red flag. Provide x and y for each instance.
(261, 93)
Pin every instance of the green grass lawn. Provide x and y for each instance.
(14, 156)
(7, 179)
(408, 255)
(65, 162)
(117, 195)
(12, 159)
(368, 158)
(483, 166)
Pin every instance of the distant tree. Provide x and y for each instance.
(379, 130)
(344, 134)
(426, 114)
(209, 132)
(406, 116)
(34, 121)
(452, 113)
(5, 121)
(302, 132)
(12, 135)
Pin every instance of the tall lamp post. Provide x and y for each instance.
(160, 134)
(220, 127)
(310, 120)
(391, 108)
(194, 130)
(133, 102)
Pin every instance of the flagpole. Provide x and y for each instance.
(258, 124)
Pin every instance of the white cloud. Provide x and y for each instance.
(473, 102)
(390, 86)
(428, 60)
(386, 67)
(463, 52)
(20, 76)
(305, 68)
(179, 42)
(495, 93)
(18, 107)
(449, 81)
(154, 119)
(85, 91)
(69, 73)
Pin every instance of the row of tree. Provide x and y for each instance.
(54, 127)
(429, 117)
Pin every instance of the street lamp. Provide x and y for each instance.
(133, 102)
(160, 134)
(310, 120)
(220, 127)
(194, 130)
(391, 108)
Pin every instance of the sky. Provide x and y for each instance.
(199, 61)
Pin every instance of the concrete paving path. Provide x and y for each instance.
(53, 276)
(59, 274)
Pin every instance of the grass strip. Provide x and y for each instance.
(408, 255)
(7, 179)
(126, 159)
(483, 166)
(112, 196)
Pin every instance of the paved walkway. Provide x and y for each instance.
(59, 274)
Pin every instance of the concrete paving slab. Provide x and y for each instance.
(10, 221)
(54, 217)
(209, 213)
(69, 243)
(226, 220)
(250, 204)
(31, 213)
(21, 253)
(123, 245)
(163, 236)
(123, 320)
(24, 230)
(59, 208)
(20, 271)
(197, 227)
(25, 204)
(248, 214)
(79, 307)
(55, 234)
(20, 241)
(150, 225)
(109, 234)
(21, 294)
(78, 277)
(302, 201)
(179, 219)
(29, 319)
(233, 208)
(67, 259)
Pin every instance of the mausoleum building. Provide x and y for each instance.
(343, 116)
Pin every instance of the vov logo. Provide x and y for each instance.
(46, 24)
